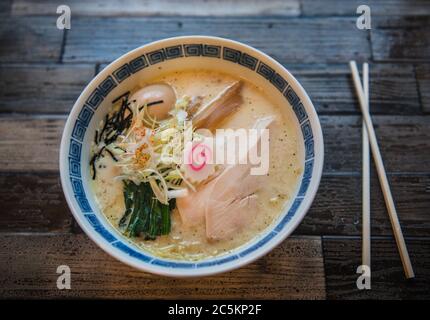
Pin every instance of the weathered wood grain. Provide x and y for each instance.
(337, 207)
(35, 88)
(423, 78)
(161, 7)
(223, 7)
(377, 7)
(5, 7)
(29, 263)
(33, 202)
(32, 39)
(35, 146)
(401, 38)
(393, 88)
(327, 40)
(343, 256)
(403, 142)
(30, 143)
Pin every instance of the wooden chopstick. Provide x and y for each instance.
(389, 202)
(366, 178)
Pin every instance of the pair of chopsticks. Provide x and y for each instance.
(369, 136)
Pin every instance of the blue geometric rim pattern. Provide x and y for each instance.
(157, 56)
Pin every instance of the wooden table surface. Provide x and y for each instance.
(43, 70)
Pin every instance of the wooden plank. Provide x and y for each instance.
(393, 88)
(423, 78)
(327, 40)
(161, 7)
(223, 7)
(336, 209)
(403, 142)
(29, 263)
(343, 256)
(33, 202)
(377, 7)
(35, 146)
(5, 7)
(42, 88)
(32, 39)
(401, 38)
(30, 143)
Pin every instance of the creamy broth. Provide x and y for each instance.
(281, 183)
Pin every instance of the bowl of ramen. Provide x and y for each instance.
(191, 156)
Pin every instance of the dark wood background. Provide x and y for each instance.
(43, 70)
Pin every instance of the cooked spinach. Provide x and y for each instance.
(144, 215)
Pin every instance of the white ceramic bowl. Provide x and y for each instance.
(182, 53)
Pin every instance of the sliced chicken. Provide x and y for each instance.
(195, 104)
(211, 199)
(226, 102)
(192, 207)
(227, 219)
(232, 202)
(227, 202)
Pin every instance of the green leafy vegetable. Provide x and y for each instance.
(144, 215)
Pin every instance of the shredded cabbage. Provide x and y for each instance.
(151, 151)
